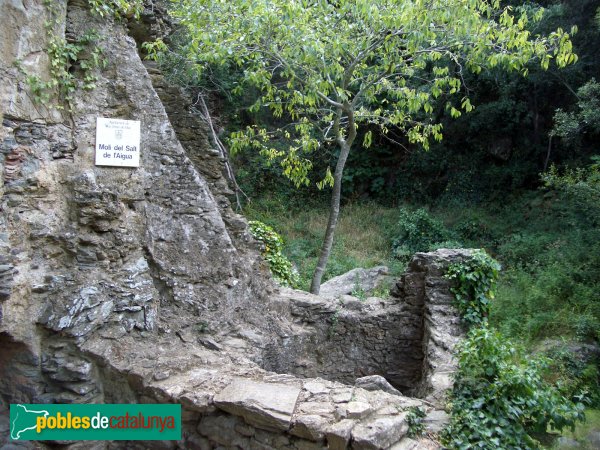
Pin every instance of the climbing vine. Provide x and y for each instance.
(280, 266)
(500, 398)
(64, 57)
(414, 419)
(117, 8)
(82, 56)
(474, 284)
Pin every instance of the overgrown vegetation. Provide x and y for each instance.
(414, 418)
(500, 398)
(364, 236)
(280, 266)
(576, 374)
(420, 232)
(582, 433)
(78, 60)
(572, 126)
(553, 275)
(64, 56)
(474, 283)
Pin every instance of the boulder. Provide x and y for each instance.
(376, 383)
(365, 279)
(593, 438)
(436, 420)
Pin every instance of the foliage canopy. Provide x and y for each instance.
(386, 61)
(324, 68)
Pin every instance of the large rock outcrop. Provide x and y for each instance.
(142, 285)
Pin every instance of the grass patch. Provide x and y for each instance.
(363, 238)
(549, 249)
(581, 432)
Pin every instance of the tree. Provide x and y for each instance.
(326, 68)
(572, 125)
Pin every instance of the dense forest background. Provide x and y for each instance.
(519, 176)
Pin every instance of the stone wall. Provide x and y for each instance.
(142, 285)
(424, 285)
(407, 339)
(345, 339)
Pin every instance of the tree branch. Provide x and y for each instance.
(205, 114)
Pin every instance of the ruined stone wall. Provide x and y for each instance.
(407, 339)
(141, 285)
(424, 285)
(345, 339)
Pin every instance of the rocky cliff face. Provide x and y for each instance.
(142, 285)
(103, 251)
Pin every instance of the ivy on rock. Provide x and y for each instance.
(83, 53)
(500, 398)
(474, 285)
(281, 268)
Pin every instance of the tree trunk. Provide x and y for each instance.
(334, 212)
(547, 160)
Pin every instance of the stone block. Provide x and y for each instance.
(376, 383)
(265, 405)
(379, 433)
(338, 435)
(311, 427)
(358, 410)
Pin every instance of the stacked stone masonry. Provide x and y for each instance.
(142, 285)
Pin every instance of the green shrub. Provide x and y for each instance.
(474, 287)
(525, 248)
(280, 266)
(414, 418)
(418, 232)
(576, 374)
(117, 8)
(570, 126)
(474, 229)
(500, 398)
(445, 244)
(581, 185)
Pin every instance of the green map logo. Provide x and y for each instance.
(95, 422)
(24, 420)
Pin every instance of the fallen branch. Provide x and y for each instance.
(205, 115)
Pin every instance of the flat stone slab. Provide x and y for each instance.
(381, 432)
(265, 405)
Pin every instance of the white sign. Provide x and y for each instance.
(117, 142)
